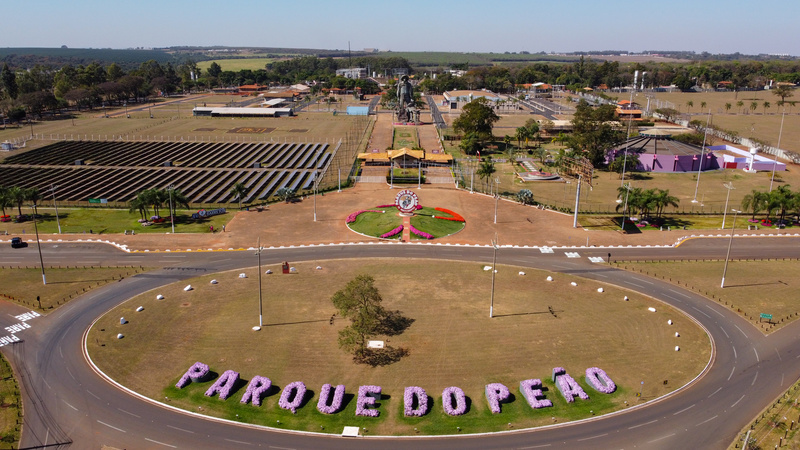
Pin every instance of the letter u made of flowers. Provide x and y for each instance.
(599, 380)
(328, 405)
(568, 386)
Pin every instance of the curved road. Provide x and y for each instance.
(66, 401)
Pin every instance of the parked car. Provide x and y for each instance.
(18, 243)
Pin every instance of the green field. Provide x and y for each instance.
(237, 64)
(538, 325)
(376, 224)
(10, 407)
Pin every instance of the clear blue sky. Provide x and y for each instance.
(412, 25)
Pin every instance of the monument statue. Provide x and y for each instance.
(406, 109)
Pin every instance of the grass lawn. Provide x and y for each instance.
(10, 407)
(107, 220)
(63, 284)
(376, 224)
(751, 287)
(451, 342)
(237, 64)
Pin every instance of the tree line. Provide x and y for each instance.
(11, 196)
(779, 201)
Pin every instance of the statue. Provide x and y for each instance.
(406, 110)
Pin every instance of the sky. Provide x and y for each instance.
(498, 26)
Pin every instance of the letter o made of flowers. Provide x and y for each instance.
(600, 381)
(412, 394)
(451, 394)
(292, 396)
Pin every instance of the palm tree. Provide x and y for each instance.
(17, 196)
(521, 135)
(766, 107)
(784, 198)
(486, 170)
(663, 199)
(689, 105)
(754, 202)
(33, 195)
(136, 204)
(703, 105)
(5, 199)
(506, 141)
(753, 106)
(728, 107)
(740, 104)
(178, 198)
(238, 191)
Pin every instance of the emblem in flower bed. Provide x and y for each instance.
(384, 222)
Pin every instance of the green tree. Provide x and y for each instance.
(17, 196)
(506, 141)
(662, 199)
(34, 196)
(360, 302)
(470, 144)
(521, 134)
(594, 131)
(728, 107)
(486, 170)
(238, 191)
(689, 105)
(285, 194)
(621, 163)
(9, 82)
(784, 199)
(703, 105)
(138, 205)
(766, 106)
(477, 117)
(5, 200)
(783, 91)
(175, 198)
(755, 202)
(214, 70)
(753, 106)
(740, 105)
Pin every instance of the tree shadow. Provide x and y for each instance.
(381, 356)
(393, 323)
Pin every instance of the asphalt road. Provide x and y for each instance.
(66, 401)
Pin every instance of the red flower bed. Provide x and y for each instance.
(456, 217)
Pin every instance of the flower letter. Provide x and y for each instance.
(224, 384)
(567, 385)
(367, 395)
(532, 390)
(292, 396)
(448, 396)
(258, 386)
(324, 399)
(599, 380)
(411, 394)
(496, 393)
(198, 372)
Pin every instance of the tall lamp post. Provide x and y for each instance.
(494, 264)
(38, 244)
(496, 197)
(53, 191)
(730, 242)
(171, 211)
(260, 310)
(700, 165)
(729, 187)
(775, 163)
(625, 206)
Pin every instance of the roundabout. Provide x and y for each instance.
(748, 369)
(446, 339)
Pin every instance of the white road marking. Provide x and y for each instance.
(238, 442)
(634, 284)
(734, 353)
(737, 327)
(572, 254)
(111, 426)
(47, 384)
(754, 380)
(643, 424)
(731, 375)
(535, 446)
(69, 405)
(60, 352)
(754, 351)
(160, 443)
(714, 310)
(718, 389)
(679, 293)
(180, 429)
(644, 281)
(92, 394)
(130, 413)
(706, 421)
(545, 249)
(726, 333)
(285, 448)
(596, 259)
(737, 401)
(70, 374)
(593, 437)
(782, 378)
(779, 355)
(662, 437)
(684, 409)
(701, 312)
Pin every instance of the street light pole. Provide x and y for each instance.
(730, 242)
(496, 197)
(260, 310)
(53, 191)
(38, 244)
(171, 212)
(625, 206)
(494, 264)
(775, 163)
(702, 149)
(729, 187)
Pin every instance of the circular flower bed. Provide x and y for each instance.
(384, 222)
